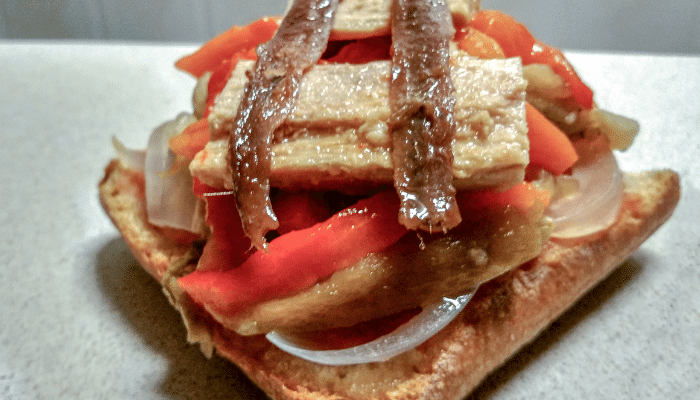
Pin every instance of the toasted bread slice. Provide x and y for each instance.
(505, 314)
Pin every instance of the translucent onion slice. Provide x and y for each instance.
(199, 95)
(129, 158)
(169, 197)
(594, 206)
(406, 337)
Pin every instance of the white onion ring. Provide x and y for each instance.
(406, 337)
(169, 197)
(594, 206)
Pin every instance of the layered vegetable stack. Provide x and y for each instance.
(344, 173)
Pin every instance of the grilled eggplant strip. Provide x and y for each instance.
(422, 104)
(268, 99)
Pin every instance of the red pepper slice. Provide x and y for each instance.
(517, 41)
(543, 54)
(191, 140)
(300, 258)
(550, 148)
(296, 211)
(523, 196)
(227, 247)
(362, 51)
(196, 136)
(226, 44)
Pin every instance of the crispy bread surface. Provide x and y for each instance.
(504, 315)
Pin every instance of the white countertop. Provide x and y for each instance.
(79, 319)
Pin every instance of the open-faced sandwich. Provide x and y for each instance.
(381, 199)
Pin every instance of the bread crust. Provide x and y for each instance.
(505, 314)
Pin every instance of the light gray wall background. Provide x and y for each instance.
(671, 26)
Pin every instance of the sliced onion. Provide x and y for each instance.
(594, 206)
(619, 129)
(129, 158)
(199, 95)
(406, 337)
(169, 197)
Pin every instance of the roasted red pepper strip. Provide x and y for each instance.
(227, 246)
(225, 45)
(297, 211)
(190, 141)
(362, 51)
(300, 258)
(516, 41)
(550, 148)
(524, 196)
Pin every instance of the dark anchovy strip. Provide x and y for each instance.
(422, 104)
(268, 99)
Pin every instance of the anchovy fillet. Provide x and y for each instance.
(268, 99)
(422, 103)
